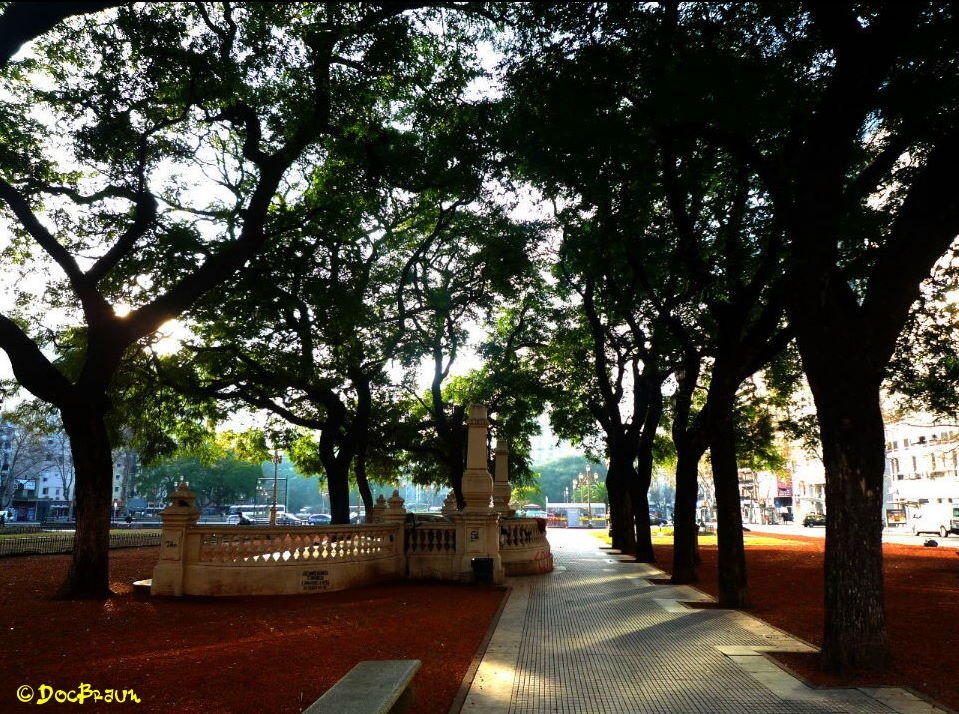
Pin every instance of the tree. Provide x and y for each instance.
(154, 98)
(924, 370)
(833, 112)
(22, 450)
(683, 247)
(25, 21)
(556, 477)
(854, 148)
(472, 262)
(219, 483)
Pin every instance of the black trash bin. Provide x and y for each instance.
(483, 570)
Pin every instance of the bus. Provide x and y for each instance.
(256, 512)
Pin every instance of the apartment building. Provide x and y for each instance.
(922, 467)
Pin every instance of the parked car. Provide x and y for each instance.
(417, 519)
(658, 521)
(235, 519)
(319, 519)
(288, 519)
(814, 519)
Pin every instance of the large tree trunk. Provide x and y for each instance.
(338, 484)
(456, 468)
(89, 575)
(644, 477)
(644, 537)
(336, 464)
(686, 530)
(733, 590)
(622, 508)
(363, 484)
(851, 429)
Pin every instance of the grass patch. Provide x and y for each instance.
(48, 534)
(664, 536)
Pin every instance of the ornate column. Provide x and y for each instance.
(477, 525)
(181, 515)
(477, 482)
(501, 487)
(379, 508)
(395, 514)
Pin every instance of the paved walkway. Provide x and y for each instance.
(596, 636)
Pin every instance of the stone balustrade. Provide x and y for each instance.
(432, 552)
(430, 538)
(524, 548)
(261, 546)
(268, 560)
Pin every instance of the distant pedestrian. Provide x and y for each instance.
(129, 520)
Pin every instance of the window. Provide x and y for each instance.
(45, 492)
(905, 443)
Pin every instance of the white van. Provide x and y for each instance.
(939, 518)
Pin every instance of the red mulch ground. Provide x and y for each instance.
(274, 655)
(922, 609)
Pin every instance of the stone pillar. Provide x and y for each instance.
(501, 487)
(395, 513)
(477, 482)
(477, 525)
(181, 515)
(379, 509)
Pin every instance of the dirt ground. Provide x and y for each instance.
(278, 654)
(226, 655)
(922, 608)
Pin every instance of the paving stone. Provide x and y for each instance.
(599, 638)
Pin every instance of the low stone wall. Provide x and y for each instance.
(431, 551)
(481, 541)
(260, 560)
(524, 548)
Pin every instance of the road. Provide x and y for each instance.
(888, 535)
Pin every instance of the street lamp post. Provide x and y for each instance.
(277, 460)
(588, 479)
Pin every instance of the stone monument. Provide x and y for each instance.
(477, 525)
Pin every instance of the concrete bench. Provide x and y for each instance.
(371, 687)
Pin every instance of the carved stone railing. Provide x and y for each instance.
(517, 532)
(264, 560)
(263, 546)
(475, 543)
(523, 547)
(431, 551)
(431, 538)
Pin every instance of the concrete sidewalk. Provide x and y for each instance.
(597, 636)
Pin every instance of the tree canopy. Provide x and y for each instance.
(334, 201)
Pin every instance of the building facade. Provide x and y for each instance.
(922, 467)
(37, 476)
